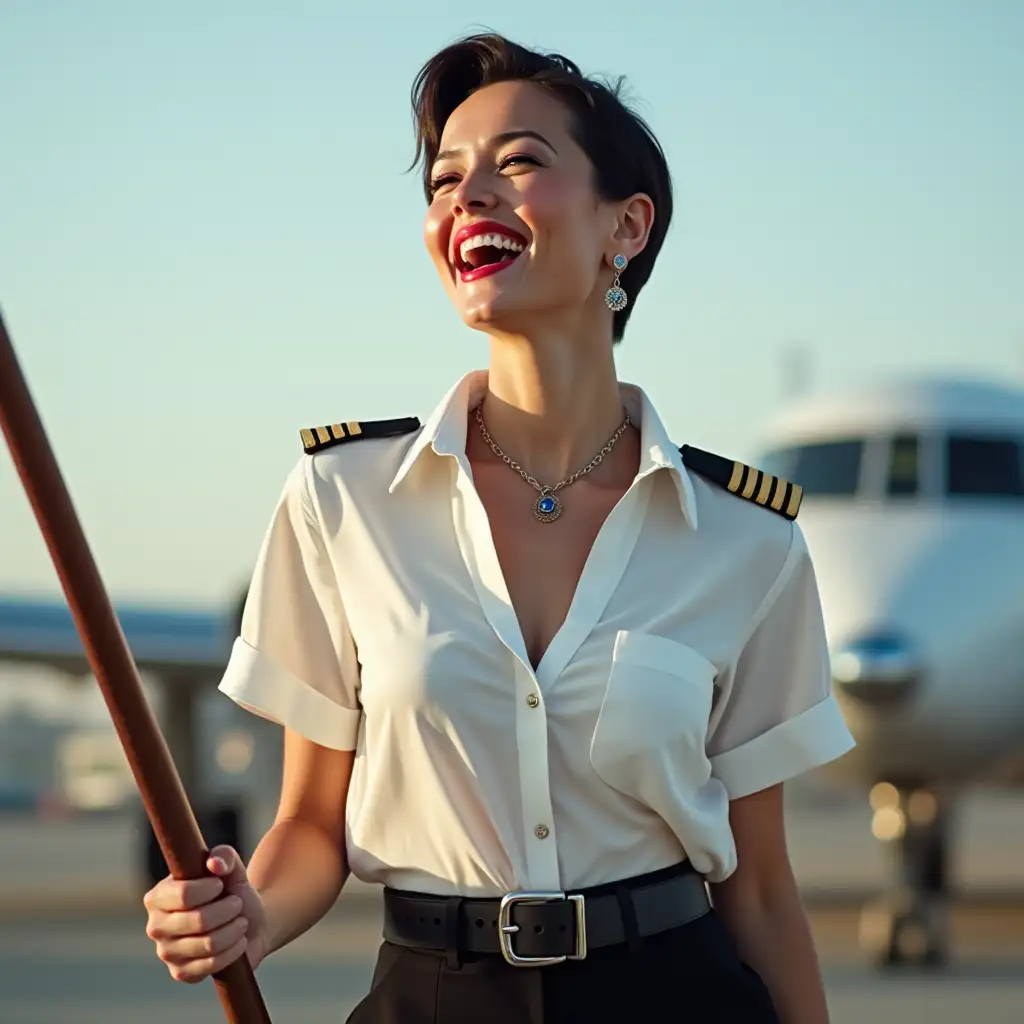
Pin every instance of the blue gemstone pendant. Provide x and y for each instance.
(547, 508)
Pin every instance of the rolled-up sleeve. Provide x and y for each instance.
(777, 717)
(294, 661)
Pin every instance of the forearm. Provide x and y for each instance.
(770, 928)
(298, 872)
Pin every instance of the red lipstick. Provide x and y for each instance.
(466, 271)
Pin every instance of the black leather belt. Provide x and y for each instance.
(532, 929)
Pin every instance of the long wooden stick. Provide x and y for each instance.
(155, 774)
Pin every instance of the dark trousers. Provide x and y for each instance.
(692, 974)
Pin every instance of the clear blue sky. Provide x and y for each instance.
(207, 240)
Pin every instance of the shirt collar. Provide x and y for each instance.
(445, 434)
(657, 451)
(445, 430)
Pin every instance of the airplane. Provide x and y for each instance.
(914, 517)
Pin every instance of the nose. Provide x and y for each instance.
(879, 669)
(473, 194)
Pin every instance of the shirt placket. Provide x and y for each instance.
(598, 582)
(532, 738)
(535, 781)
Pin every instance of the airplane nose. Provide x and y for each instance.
(878, 669)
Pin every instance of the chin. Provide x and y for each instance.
(492, 313)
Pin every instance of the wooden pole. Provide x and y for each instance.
(159, 783)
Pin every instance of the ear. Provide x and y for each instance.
(634, 220)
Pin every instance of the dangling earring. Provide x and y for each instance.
(615, 298)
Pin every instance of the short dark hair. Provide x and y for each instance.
(626, 156)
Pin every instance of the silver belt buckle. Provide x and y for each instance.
(506, 929)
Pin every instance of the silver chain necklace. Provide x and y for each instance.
(547, 508)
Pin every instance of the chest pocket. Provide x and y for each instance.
(653, 720)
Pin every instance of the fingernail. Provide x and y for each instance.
(220, 863)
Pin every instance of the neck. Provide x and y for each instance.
(552, 403)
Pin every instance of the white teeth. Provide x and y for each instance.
(495, 240)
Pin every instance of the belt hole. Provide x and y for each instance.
(437, 920)
(561, 927)
(479, 923)
(538, 928)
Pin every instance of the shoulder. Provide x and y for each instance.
(355, 460)
(747, 519)
(745, 514)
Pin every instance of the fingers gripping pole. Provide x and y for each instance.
(159, 783)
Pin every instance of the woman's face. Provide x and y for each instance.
(515, 227)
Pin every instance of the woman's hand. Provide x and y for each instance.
(201, 926)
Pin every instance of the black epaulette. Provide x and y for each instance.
(771, 492)
(316, 439)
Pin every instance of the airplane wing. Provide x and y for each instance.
(162, 640)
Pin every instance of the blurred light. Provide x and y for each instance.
(922, 807)
(235, 751)
(888, 824)
(846, 667)
(878, 668)
(885, 794)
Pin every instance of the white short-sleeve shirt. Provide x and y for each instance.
(691, 669)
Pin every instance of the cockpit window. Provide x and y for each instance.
(984, 466)
(904, 461)
(826, 468)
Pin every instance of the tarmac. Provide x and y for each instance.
(88, 866)
(86, 972)
(73, 949)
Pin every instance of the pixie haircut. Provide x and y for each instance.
(621, 147)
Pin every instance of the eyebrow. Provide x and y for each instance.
(499, 140)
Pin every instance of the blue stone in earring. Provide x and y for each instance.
(615, 298)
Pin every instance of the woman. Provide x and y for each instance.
(527, 647)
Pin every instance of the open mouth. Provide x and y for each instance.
(484, 249)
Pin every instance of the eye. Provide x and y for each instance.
(519, 158)
(441, 180)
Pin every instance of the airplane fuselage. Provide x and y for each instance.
(914, 516)
(948, 582)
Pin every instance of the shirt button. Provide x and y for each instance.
(542, 832)
(533, 700)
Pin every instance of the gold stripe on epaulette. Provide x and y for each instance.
(794, 501)
(337, 431)
(753, 476)
(308, 440)
(323, 434)
(766, 489)
(353, 428)
(780, 495)
(736, 479)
